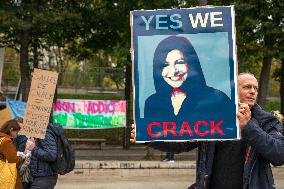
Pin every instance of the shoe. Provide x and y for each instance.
(165, 160)
(171, 161)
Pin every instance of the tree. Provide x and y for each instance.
(260, 27)
(278, 16)
(282, 86)
(37, 24)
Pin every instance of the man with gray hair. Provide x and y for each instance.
(238, 164)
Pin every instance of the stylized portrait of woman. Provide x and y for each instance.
(181, 90)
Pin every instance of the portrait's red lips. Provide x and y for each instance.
(176, 77)
(180, 76)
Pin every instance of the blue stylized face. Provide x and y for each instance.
(175, 70)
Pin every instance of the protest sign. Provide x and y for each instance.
(89, 114)
(17, 108)
(13, 109)
(184, 74)
(38, 108)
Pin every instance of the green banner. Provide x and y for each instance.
(89, 113)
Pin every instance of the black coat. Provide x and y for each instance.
(20, 142)
(211, 104)
(265, 145)
(45, 153)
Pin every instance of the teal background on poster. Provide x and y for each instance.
(213, 53)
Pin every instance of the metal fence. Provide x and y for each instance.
(101, 80)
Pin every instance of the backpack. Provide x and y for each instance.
(65, 161)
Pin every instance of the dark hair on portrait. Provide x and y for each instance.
(195, 79)
(8, 125)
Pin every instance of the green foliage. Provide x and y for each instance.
(259, 29)
(33, 25)
(47, 21)
(272, 105)
(90, 96)
(11, 73)
(98, 34)
(113, 136)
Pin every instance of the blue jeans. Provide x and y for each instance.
(48, 182)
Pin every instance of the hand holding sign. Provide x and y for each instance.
(133, 134)
(30, 144)
(244, 114)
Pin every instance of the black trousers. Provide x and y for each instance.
(48, 182)
(170, 156)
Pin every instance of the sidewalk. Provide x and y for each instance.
(82, 164)
(124, 168)
(135, 153)
(116, 161)
(138, 160)
(114, 167)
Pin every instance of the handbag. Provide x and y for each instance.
(8, 173)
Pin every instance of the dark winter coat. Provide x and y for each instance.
(45, 153)
(20, 142)
(265, 145)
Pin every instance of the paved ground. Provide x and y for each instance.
(129, 182)
(116, 168)
(278, 174)
(137, 175)
(136, 152)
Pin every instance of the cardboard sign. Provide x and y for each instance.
(184, 74)
(39, 103)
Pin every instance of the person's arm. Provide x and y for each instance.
(268, 142)
(10, 152)
(173, 147)
(269, 146)
(48, 149)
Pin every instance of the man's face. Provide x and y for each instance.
(175, 70)
(248, 89)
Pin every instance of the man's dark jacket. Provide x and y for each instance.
(45, 153)
(265, 145)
